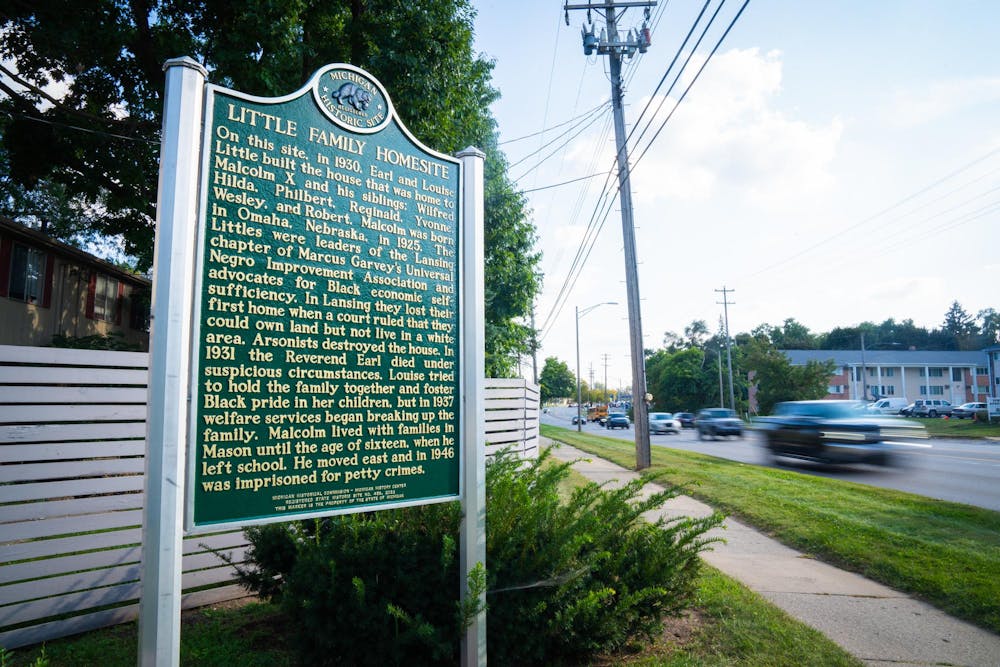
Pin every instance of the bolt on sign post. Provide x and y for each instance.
(327, 318)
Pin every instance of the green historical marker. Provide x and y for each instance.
(326, 326)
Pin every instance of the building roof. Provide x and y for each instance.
(39, 239)
(889, 357)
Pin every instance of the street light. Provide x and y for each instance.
(579, 314)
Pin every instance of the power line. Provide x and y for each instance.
(666, 73)
(558, 185)
(549, 129)
(556, 150)
(81, 129)
(693, 81)
(877, 215)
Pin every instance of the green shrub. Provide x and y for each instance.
(365, 589)
(567, 577)
(111, 341)
(572, 577)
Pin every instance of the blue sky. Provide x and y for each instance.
(836, 162)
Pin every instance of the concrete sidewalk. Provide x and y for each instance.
(872, 622)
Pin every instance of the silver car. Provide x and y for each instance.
(932, 407)
(663, 422)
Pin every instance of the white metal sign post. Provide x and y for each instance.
(170, 345)
(472, 543)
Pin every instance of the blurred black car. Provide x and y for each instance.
(685, 418)
(834, 432)
(713, 422)
(618, 420)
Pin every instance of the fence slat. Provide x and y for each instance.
(63, 451)
(12, 493)
(55, 395)
(61, 470)
(73, 375)
(70, 507)
(66, 432)
(26, 414)
(66, 357)
(30, 530)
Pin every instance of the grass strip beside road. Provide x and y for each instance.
(945, 553)
(959, 428)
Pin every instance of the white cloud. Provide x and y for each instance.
(937, 100)
(729, 132)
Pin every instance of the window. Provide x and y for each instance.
(27, 270)
(956, 374)
(104, 304)
(888, 372)
(937, 391)
(932, 372)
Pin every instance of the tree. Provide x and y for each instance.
(556, 380)
(777, 380)
(792, 335)
(696, 333)
(80, 117)
(679, 380)
(960, 327)
(989, 326)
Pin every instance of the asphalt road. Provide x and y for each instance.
(963, 471)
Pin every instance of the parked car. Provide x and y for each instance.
(887, 406)
(617, 420)
(685, 418)
(663, 422)
(577, 419)
(932, 407)
(834, 432)
(713, 422)
(967, 410)
(908, 410)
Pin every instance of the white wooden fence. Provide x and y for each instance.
(512, 417)
(72, 453)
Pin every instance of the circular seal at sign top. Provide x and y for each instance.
(352, 98)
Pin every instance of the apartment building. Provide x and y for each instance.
(957, 377)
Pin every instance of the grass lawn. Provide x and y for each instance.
(945, 553)
(959, 428)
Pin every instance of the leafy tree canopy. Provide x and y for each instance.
(80, 110)
(778, 380)
(556, 380)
